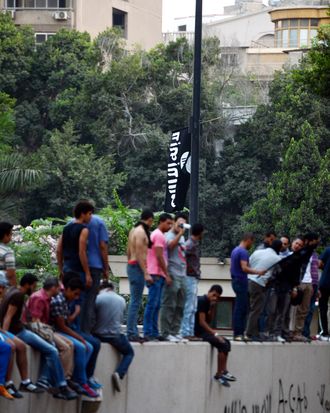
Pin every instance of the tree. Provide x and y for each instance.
(71, 172)
(17, 48)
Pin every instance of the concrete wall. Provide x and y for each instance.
(177, 378)
(240, 30)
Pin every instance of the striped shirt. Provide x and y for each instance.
(7, 257)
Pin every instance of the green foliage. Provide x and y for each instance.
(16, 55)
(71, 172)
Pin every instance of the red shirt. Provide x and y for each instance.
(38, 306)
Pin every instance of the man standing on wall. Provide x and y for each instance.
(157, 268)
(97, 254)
(138, 243)
(193, 275)
(239, 269)
(173, 297)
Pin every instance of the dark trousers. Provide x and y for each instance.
(124, 347)
(87, 311)
(278, 304)
(241, 306)
(323, 305)
(257, 295)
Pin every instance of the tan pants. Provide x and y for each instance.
(66, 350)
(303, 308)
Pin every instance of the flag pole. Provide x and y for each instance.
(195, 120)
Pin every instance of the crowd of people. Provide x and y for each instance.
(71, 315)
(277, 287)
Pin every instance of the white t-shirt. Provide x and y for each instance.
(308, 276)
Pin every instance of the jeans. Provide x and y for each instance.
(172, 305)
(5, 355)
(309, 317)
(323, 306)
(51, 367)
(257, 295)
(190, 307)
(241, 306)
(136, 286)
(150, 321)
(87, 311)
(124, 347)
(81, 359)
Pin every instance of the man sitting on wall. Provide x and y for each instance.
(204, 317)
(110, 308)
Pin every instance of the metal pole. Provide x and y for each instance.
(195, 121)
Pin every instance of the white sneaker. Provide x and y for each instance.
(280, 339)
(181, 339)
(323, 338)
(172, 339)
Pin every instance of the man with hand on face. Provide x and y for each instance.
(174, 294)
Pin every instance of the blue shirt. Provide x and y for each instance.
(97, 233)
(325, 277)
(238, 254)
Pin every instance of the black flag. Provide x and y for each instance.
(178, 170)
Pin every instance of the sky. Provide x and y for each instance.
(183, 8)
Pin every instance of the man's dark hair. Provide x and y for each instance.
(180, 215)
(269, 233)
(106, 284)
(5, 228)
(311, 236)
(146, 214)
(248, 235)
(197, 229)
(28, 278)
(83, 207)
(75, 284)
(164, 217)
(67, 276)
(50, 282)
(276, 245)
(286, 236)
(217, 288)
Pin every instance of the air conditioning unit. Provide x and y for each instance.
(11, 12)
(61, 15)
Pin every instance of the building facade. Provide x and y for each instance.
(139, 20)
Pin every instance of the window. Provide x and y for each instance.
(42, 37)
(224, 314)
(119, 20)
(278, 38)
(182, 28)
(314, 22)
(229, 59)
(293, 22)
(303, 37)
(304, 22)
(294, 38)
(285, 38)
(38, 4)
(285, 23)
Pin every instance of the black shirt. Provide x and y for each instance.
(70, 242)
(16, 298)
(203, 306)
